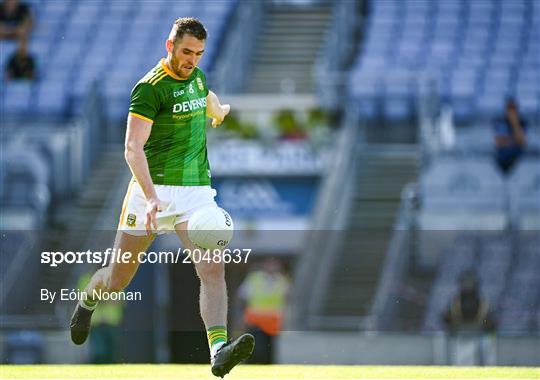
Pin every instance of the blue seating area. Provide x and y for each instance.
(477, 52)
(77, 42)
(39, 164)
(451, 187)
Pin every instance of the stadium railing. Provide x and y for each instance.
(19, 250)
(324, 233)
(397, 257)
(229, 72)
(337, 51)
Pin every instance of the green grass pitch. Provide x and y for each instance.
(280, 372)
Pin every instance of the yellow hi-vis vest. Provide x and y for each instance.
(265, 300)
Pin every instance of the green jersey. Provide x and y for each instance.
(176, 149)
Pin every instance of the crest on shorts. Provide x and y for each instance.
(200, 84)
(131, 219)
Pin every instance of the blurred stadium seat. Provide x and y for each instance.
(525, 194)
(25, 195)
(452, 188)
(17, 97)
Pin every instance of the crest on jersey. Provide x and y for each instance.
(200, 84)
(131, 220)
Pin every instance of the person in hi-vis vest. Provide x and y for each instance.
(263, 295)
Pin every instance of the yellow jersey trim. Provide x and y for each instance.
(153, 82)
(125, 204)
(158, 72)
(141, 117)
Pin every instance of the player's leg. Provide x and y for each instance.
(117, 276)
(213, 291)
(113, 278)
(213, 308)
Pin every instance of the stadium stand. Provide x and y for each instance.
(509, 278)
(467, 215)
(502, 244)
(478, 53)
(487, 224)
(115, 42)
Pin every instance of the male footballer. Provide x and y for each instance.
(165, 148)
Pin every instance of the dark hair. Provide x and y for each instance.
(187, 25)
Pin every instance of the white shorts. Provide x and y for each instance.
(181, 202)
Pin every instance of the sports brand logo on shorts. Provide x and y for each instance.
(200, 84)
(131, 220)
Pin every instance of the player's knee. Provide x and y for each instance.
(211, 272)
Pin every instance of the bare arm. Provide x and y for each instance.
(137, 134)
(215, 109)
(517, 129)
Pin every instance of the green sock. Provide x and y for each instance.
(89, 304)
(217, 336)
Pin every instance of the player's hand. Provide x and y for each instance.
(153, 206)
(216, 121)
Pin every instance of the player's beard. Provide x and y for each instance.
(176, 67)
